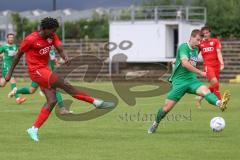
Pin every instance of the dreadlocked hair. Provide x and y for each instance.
(49, 23)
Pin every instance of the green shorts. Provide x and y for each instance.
(5, 68)
(34, 85)
(179, 89)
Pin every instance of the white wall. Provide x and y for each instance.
(149, 39)
(185, 30)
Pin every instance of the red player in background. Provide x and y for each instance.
(210, 49)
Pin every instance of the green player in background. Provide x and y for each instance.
(184, 80)
(34, 86)
(7, 53)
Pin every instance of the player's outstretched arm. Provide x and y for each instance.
(186, 64)
(62, 54)
(14, 63)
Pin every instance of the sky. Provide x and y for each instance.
(23, 5)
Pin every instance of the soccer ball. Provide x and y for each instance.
(217, 124)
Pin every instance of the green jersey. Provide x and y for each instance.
(181, 74)
(9, 52)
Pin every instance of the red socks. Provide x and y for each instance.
(42, 117)
(44, 114)
(83, 97)
(215, 89)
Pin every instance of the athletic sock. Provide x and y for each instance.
(84, 97)
(160, 115)
(23, 90)
(59, 100)
(13, 85)
(42, 117)
(216, 91)
(211, 98)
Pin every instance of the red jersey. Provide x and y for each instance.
(208, 48)
(37, 50)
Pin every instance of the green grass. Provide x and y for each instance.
(121, 134)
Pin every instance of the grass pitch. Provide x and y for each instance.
(122, 133)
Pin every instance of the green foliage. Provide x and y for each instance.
(23, 26)
(222, 16)
(95, 28)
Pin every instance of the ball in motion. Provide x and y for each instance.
(217, 124)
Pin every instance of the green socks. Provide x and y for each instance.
(13, 85)
(59, 99)
(23, 90)
(160, 115)
(211, 98)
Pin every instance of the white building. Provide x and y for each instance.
(154, 32)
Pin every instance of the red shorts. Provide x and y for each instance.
(43, 77)
(212, 72)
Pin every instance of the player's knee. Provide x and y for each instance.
(168, 106)
(203, 90)
(166, 110)
(213, 81)
(32, 90)
(215, 86)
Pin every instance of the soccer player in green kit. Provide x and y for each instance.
(34, 86)
(184, 80)
(7, 53)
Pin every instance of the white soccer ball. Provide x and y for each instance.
(217, 124)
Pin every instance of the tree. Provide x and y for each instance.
(222, 16)
(22, 26)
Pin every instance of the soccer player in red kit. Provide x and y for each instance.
(36, 47)
(210, 49)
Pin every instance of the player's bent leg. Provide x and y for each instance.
(174, 95)
(169, 104)
(213, 77)
(205, 92)
(213, 99)
(12, 92)
(211, 89)
(32, 90)
(213, 80)
(23, 90)
(72, 91)
(4, 73)
(44, 113)
(214, 87)
(60, 104)
(13, 88)
(19, 100)
(199, 101)
(100, 104)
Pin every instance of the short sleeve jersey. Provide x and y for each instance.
(37, 50)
